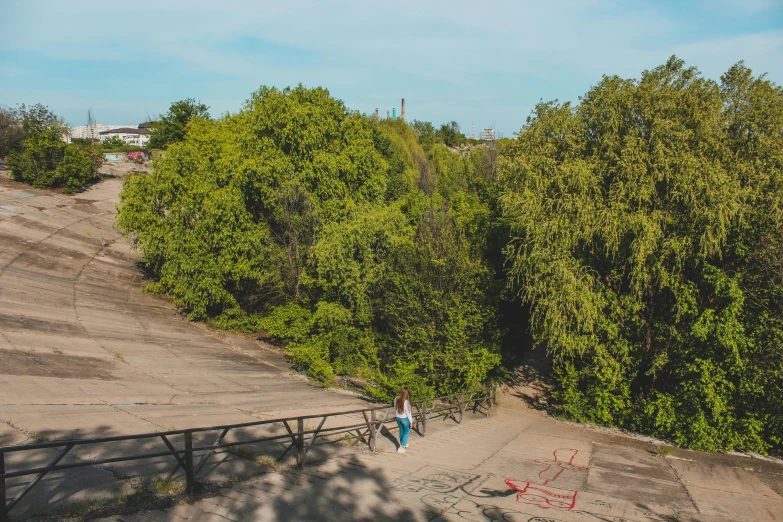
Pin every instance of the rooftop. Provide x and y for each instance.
(125, 130)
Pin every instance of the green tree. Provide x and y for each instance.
(643, 222)
(326, 229)
(10, 131)
(113, 142)
(42, 158)
(172, 126)
(78, 167)
(449, 133)
(426, 133)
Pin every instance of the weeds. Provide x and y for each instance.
(248, 454)
(665, 451)
(57, 351)
(269, 462)
(343, 438)
(160, 493)
(168, 487)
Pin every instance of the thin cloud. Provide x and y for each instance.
(451, 60)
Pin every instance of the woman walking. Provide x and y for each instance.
(404, 418)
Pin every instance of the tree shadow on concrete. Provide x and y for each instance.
(124, 487)
(110, 483)
(346, 490)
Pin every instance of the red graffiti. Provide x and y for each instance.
(544, 495)
(545, 498)
(563, 459)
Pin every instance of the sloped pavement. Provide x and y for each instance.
(514, 466)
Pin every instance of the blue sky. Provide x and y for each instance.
(486, 62)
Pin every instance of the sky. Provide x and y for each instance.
(478, 63)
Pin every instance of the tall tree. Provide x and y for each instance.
(11, 133)
(172, 126)
(641, 221)
(450, 134)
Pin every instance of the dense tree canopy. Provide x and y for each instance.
(326, 229)
(646, 221)
(171, 127)
(637, 234)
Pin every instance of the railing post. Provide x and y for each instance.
(300, 443)
(424, 419)
(491, 399)
(3, 510)
(461, 407)
(190, 479)
(373, 431)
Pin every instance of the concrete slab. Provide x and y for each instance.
(723, 478)
(735, 506)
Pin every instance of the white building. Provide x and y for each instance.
(130, 135)
(488, 134)
(93, 131)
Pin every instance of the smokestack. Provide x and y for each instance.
(402, 110)
(394, 113)
(376, 113)
(388, 114)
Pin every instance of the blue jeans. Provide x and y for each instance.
(405, 429)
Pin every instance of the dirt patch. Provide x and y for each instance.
(530, 384)
(55, 365)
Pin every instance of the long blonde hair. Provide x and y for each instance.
(399, 402)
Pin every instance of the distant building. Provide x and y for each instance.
(130, 135)
(93, 131)
(488, 134)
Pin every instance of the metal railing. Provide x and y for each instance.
(296, 436)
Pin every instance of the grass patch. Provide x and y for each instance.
(168, 487)
(118, 355)
(57, 351)
(269, 462)
(343, 438)
(665, 451)
(247, 453)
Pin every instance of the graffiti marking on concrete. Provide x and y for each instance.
(562, 461)
(434, 479)
(467, 509)
(544, 497)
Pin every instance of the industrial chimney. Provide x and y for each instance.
(376, 113)
(402, 110)
(388, 114)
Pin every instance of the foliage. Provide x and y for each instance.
(639, 234)
(647, 229)
(79, 166)
(426, 133)
(10, 131)
(449, 133)
(326, 229)
(172, 126)
(41, 157)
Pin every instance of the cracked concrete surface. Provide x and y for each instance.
(84, 353)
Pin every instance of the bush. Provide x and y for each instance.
(41, 157)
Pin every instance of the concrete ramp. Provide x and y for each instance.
(84, 353)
